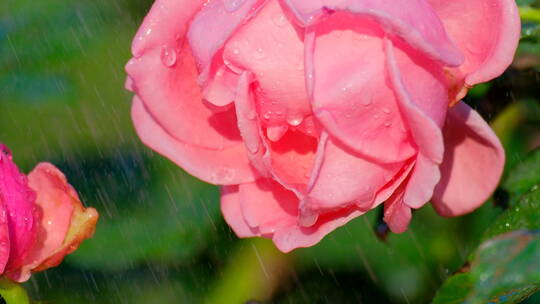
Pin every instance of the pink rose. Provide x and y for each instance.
(41, 218)
(310, 113)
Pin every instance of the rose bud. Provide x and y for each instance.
(310, 113)
(41, 218)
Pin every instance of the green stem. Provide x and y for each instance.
(12, 292)
(529, 14)
(253, 272)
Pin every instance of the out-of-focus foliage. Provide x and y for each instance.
(506, 267)
(525, 175)
(161, 237)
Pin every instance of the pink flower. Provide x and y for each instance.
(310, 113)
(41, 218)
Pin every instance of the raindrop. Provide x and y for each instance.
(366, 102)
(259, 54)
(295, 120)
(267, 115)
(233, 5)
(275, 133)
(386, 111)
(279, 20)
(253, 147)
(307, 217)
(251, 115)
(388, 124)
(168, 56)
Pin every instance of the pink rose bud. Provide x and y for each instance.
(310, 113)
(41, 218)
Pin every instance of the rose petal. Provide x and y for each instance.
(346, 178)
(272, 211)
(275, 60)
(249, 125)
(55, 202)
(422, 122)
(473, 163)
(292, 158)
(224, 167)
(412, 20)
(170, 93)
(166, 24)
(221, 89)
(4, 237)
(396, 213)
(213, 25)
(232, 212)
(267, 206)
(83, 224)
(300, 237)
(18, 200)
(357, 105)
(485, 31)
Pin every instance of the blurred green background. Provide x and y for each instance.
(161, 237)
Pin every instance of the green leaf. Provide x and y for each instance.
(455, 289)
(525, 174)
(505, 269)
(523, 215)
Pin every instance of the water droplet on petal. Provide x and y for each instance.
(279, 20)
(168, 56)
(275, 133)
(366, 102)
(307, 217)
(251, 115)
(295, 120)
(232, 5)
(259, 54)
(253, 147)
(386, 111)
(388, 124)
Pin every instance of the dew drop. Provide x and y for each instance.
(267, 115)
(387, 124)
(386, 111)
(168, 56)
